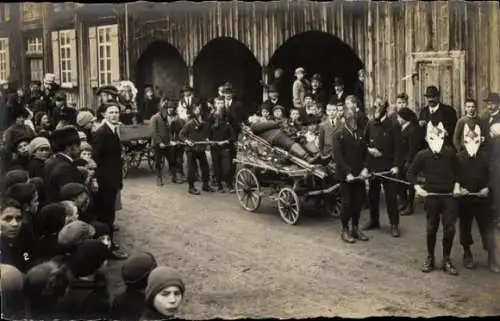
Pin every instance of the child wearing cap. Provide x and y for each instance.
(13, 177)
(16, 248)
(45, 286)
(48, 222)
(298, 89)
(164, 294)
(88, 296)
(130, 304)
(26, 195)
(73, 234)
(39, 152)
(12, 296)
(79, 195)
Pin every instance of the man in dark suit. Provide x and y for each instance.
(491, 130)
(187, 101)
(236, 114)
(317, 92)
(383, 155)
(60, 169)
(437, 112)
(107, 153)
(273, 98)
(339, 94)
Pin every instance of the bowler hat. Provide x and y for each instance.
(60, 96)
(316, 77)
(186, 88)
(228, 88)
(493, 98)
(431, 91)
(337, 81)
(273, 88)
(64, 137)
(110, 90)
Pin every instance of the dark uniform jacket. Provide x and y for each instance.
(236, 114)
(383, 136)
(411, 144)
(220, 130)
(60, 170)
(445, 114)
(18, 252)
(128, 306)
(473, 172)
(107, 153)
(335, 99)
(195, 131)
(350, 152)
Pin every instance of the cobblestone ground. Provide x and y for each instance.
(241, 264)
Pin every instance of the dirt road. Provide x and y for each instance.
(241, 264)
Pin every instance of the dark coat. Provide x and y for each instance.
(411, 144)
(359, 92)
(383, 136)
(334, 99)
(128, 306)
(58, 172)
(88, 300)
(236, 114)
(160, 130)
(350, 153)
(36, 168)
(320, 96)
(195, 132)
(18, 252)
(445, 114)
(107, 153)
(149, 107)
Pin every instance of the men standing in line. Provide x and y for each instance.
(437, 112)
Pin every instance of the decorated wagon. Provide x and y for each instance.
(267, 171)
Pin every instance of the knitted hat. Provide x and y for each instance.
(71, 190)
(160, 278)
(84, 118)
(88, 258)
(13, 177)
(85, 146)
(407, 114)
(21, 192)
(11, 280)
(100, 229)
(64, 137)
(36, 143)
(75, 233)
(50, 219)
(138, 267)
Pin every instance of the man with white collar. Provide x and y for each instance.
(383, 142)
(491, 125)
(437, 112)
(60, 169)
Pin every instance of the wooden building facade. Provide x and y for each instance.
(403, 46)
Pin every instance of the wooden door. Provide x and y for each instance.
(445, 70)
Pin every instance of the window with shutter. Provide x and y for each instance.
(106, 55)
(56, 63)
(4, 60)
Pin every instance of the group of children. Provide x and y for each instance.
(54, 241)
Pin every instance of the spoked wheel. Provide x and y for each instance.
(289, 205)
(151, 157)
(333, 205)
(135, 159)
(248, 190)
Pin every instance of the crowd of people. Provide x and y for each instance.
(61, 178)
(60, 182)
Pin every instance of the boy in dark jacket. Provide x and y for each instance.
(88, 297)
(440, 169)
(39, 152)
(473, 178)
(409, 147)
(130, 304)
(160, 138)
(383, 155)
(350, 155)
(222, 133)
(196, 130)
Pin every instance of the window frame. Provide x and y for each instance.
(104, 70)
(64, 45)
(40, 71)
(3, 59)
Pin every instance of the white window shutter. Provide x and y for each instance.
(94, 83)
(7, 59)
(55, 55)
(115, 55)
(74, 58)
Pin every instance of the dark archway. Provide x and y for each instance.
(162, 66)
(317, 52)
(227, 59)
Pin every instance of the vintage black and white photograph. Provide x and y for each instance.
(249, 159)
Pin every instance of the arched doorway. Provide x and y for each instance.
(162, 66)
(317, 52)
(227, 59)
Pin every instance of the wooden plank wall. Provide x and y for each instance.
(382, 34)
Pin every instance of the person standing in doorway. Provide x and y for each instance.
(107, 153)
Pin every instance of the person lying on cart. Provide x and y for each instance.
(272, 132)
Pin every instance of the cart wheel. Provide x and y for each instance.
(289, 205)
(333, 205)
(248, 190)
(135, 159)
